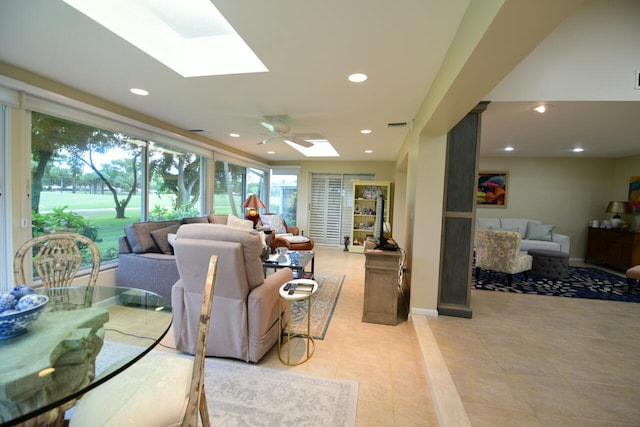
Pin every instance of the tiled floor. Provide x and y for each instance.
(522, 360)
(532, 360)
(385, 360)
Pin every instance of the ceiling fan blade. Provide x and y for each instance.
(270, 127)
(264, 141)
(298, 141)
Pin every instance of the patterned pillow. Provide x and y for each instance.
(275, 222)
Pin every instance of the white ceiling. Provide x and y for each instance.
(309, 48)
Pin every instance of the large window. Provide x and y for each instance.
(284, 193)
(95, 181)
(233, 184)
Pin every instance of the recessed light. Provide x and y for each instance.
(365, 131)
(368, 151)
(541, 108)
(578, 150)
(509, 148)
(138, 91)
(234, 135)
(357, 77)
(271, 152)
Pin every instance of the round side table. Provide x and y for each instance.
(303, 290)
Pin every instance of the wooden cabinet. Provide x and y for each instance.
(365, 207)
(615, 248)
(384, 301)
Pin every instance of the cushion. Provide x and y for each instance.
(171, 237)
(218, 218)
(488, 223)
(161, 237)
(540, 231)
(195, 220)
(513, 224)
(139, 235)
(234, 221)
(295, 239)
(275, 222)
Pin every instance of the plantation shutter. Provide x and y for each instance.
(326, 208)
(331, 210)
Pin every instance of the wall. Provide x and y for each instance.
(565, 192)
(622, 171)
(384, 172)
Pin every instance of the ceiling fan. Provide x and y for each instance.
(279, 129)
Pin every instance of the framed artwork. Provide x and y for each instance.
(492, 189)
(634, 194)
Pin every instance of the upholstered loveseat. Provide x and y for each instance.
(533, 234)
(146, 256)
(244, 322)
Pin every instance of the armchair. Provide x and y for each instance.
(499, 250)
(245, 312)
(285, 235)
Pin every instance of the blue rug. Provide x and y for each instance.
(583, 282)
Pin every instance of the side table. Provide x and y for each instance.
(303, 290)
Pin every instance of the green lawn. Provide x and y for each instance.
(99, 210)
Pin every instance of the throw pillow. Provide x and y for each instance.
(275, 222)
(139, 235)
(161, 237)
(540, 231)
(195, 220)
(234, 221)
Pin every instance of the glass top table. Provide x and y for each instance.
(45, 369)
(281, 261)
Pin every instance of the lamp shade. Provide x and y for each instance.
(253, 202)
(618, 208)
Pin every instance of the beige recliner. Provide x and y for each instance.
(245, 305)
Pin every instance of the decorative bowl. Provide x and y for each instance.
(15, 322)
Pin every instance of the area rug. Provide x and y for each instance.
(242, 394)
(323, 303)
(583, 282)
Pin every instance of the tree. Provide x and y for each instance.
(178, 173)
(48, 136)
(126, 169)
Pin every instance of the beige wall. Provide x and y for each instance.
(565, 192)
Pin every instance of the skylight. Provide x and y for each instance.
(190, 37)
(321, 148)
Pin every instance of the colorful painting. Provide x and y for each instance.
(492, 189)
(634, 194)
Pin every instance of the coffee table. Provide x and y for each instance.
(299, 272)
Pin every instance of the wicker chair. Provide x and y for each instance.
(56, 258)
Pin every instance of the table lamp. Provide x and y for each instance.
(617, 208)
(253, 203)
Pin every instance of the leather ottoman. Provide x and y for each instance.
(549, 264)
(633, 276)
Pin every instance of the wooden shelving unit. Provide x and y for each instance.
(364, 211)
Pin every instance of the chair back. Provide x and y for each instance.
(497, 249)
(197, 399)
(56, 258)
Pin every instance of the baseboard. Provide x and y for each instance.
(424, 312)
